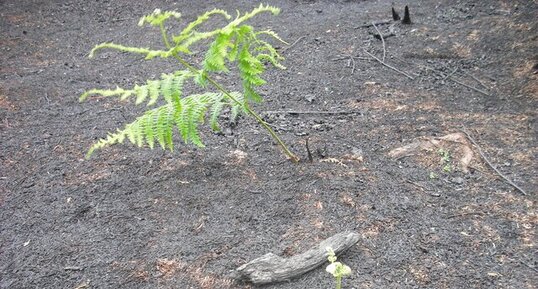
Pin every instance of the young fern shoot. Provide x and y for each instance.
(235, 45)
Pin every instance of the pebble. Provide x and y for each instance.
(457, 180)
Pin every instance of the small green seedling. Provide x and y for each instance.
(433, 176)
(235, 45)
(445, 159)
(337, 269)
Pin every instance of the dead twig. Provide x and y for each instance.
(382, 41)
(351, 61)
(389, 66)
(310, 158)
(293, 44)
(491, 165)
(346, 57)
(528, 265)
(468, 86)
(466, 214)
(310, 112)
(416, 185)
(476, 79)
(454, 80)
(353, 65)
(73, 268)
(452, 73)
(380, 22)
(84, 285)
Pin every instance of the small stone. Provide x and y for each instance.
(457, 180)
(310, 98)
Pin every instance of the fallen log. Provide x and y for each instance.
(271, 268)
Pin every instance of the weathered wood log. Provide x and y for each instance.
(271, 268)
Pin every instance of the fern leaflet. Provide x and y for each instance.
(156, 125)
(169, 87)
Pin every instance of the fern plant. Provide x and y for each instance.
(236, 45)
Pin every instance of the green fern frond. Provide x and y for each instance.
(164, 125)
(189, 30)
(217, 53)
(249, 69)
(158, 18)
(195, 37)
(239, 107)
(150, 54)
(169, 87)
(241, 34)
(106, 92)
(260, 9)
(156, 125)
(153, 87)
(215, 112)
(272, 34)
(271, 55)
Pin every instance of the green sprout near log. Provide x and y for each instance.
(236, 44)
(337, 269)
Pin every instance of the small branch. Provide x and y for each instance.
(73, 268)
(46, 96)
(310, 158)
(349, 56)
(389, 66)
(108, 110)
(491, 165)
(353, 65)
(476, 79)
(83, 285)
(382, 40)
(455, 80)
(416, 184)
(452, 73)
(468, 86)
(309, 112)
(465, 214)
(531, 267)
(293, 44)
(380, 22)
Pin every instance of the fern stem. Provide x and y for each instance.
(291, 155)
(165, 36)
(338, 282)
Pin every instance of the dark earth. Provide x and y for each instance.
(141, 218)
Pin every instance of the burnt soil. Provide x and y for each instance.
(141, 218)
